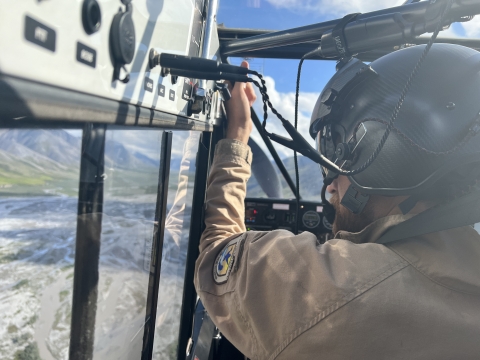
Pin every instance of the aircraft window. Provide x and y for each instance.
(177, 226)
(265, 173)
(132, 162)
(280, 76)
(261, 179)
(39, 172)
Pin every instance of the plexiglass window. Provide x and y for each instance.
(177, 227)
(266, 175)
(39, 172)
(132, 165)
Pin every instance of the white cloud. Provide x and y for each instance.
(334, 7)
(472, 27)
(284, 103)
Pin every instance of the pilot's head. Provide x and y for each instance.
(432, 150)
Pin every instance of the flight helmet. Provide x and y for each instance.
(434, 134)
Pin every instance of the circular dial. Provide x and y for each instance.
(327, 224)
(311, 219)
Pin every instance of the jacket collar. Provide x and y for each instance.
(374, 231)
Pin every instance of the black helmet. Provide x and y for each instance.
(435, 131)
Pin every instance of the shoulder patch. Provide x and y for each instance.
(225, 259)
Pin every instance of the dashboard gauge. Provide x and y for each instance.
(311, 219)
(327, 224)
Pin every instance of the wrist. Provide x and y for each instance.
(239, 134)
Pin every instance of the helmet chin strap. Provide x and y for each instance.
(354, 200)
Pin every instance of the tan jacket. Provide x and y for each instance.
(275, 295)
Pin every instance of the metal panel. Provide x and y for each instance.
(52, 33)
(28, 104)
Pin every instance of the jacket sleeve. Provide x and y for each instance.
(226, 190)
(224, 220)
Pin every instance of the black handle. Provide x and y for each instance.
(171, 61)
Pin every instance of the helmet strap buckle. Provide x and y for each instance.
(354, 200)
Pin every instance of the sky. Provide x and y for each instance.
(281, 74)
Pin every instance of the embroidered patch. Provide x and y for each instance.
(225, 260)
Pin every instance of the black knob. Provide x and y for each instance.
(123, 37)
(91, 16)
(122, 41)
(343, 151)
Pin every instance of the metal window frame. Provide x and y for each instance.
(296, 51)
(157, 246)
(205, 154)
(87, 243)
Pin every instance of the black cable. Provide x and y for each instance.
(295, 157)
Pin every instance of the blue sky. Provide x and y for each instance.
(244, 14)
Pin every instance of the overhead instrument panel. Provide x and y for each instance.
(101, 47)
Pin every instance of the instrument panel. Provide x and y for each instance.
(273, 214)
(95, 46)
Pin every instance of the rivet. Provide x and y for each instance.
(451, 106)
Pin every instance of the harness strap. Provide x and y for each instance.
(460, 212)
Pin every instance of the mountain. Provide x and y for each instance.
(56, 145)
(63, 148)
(35, 161)
(311, 179)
